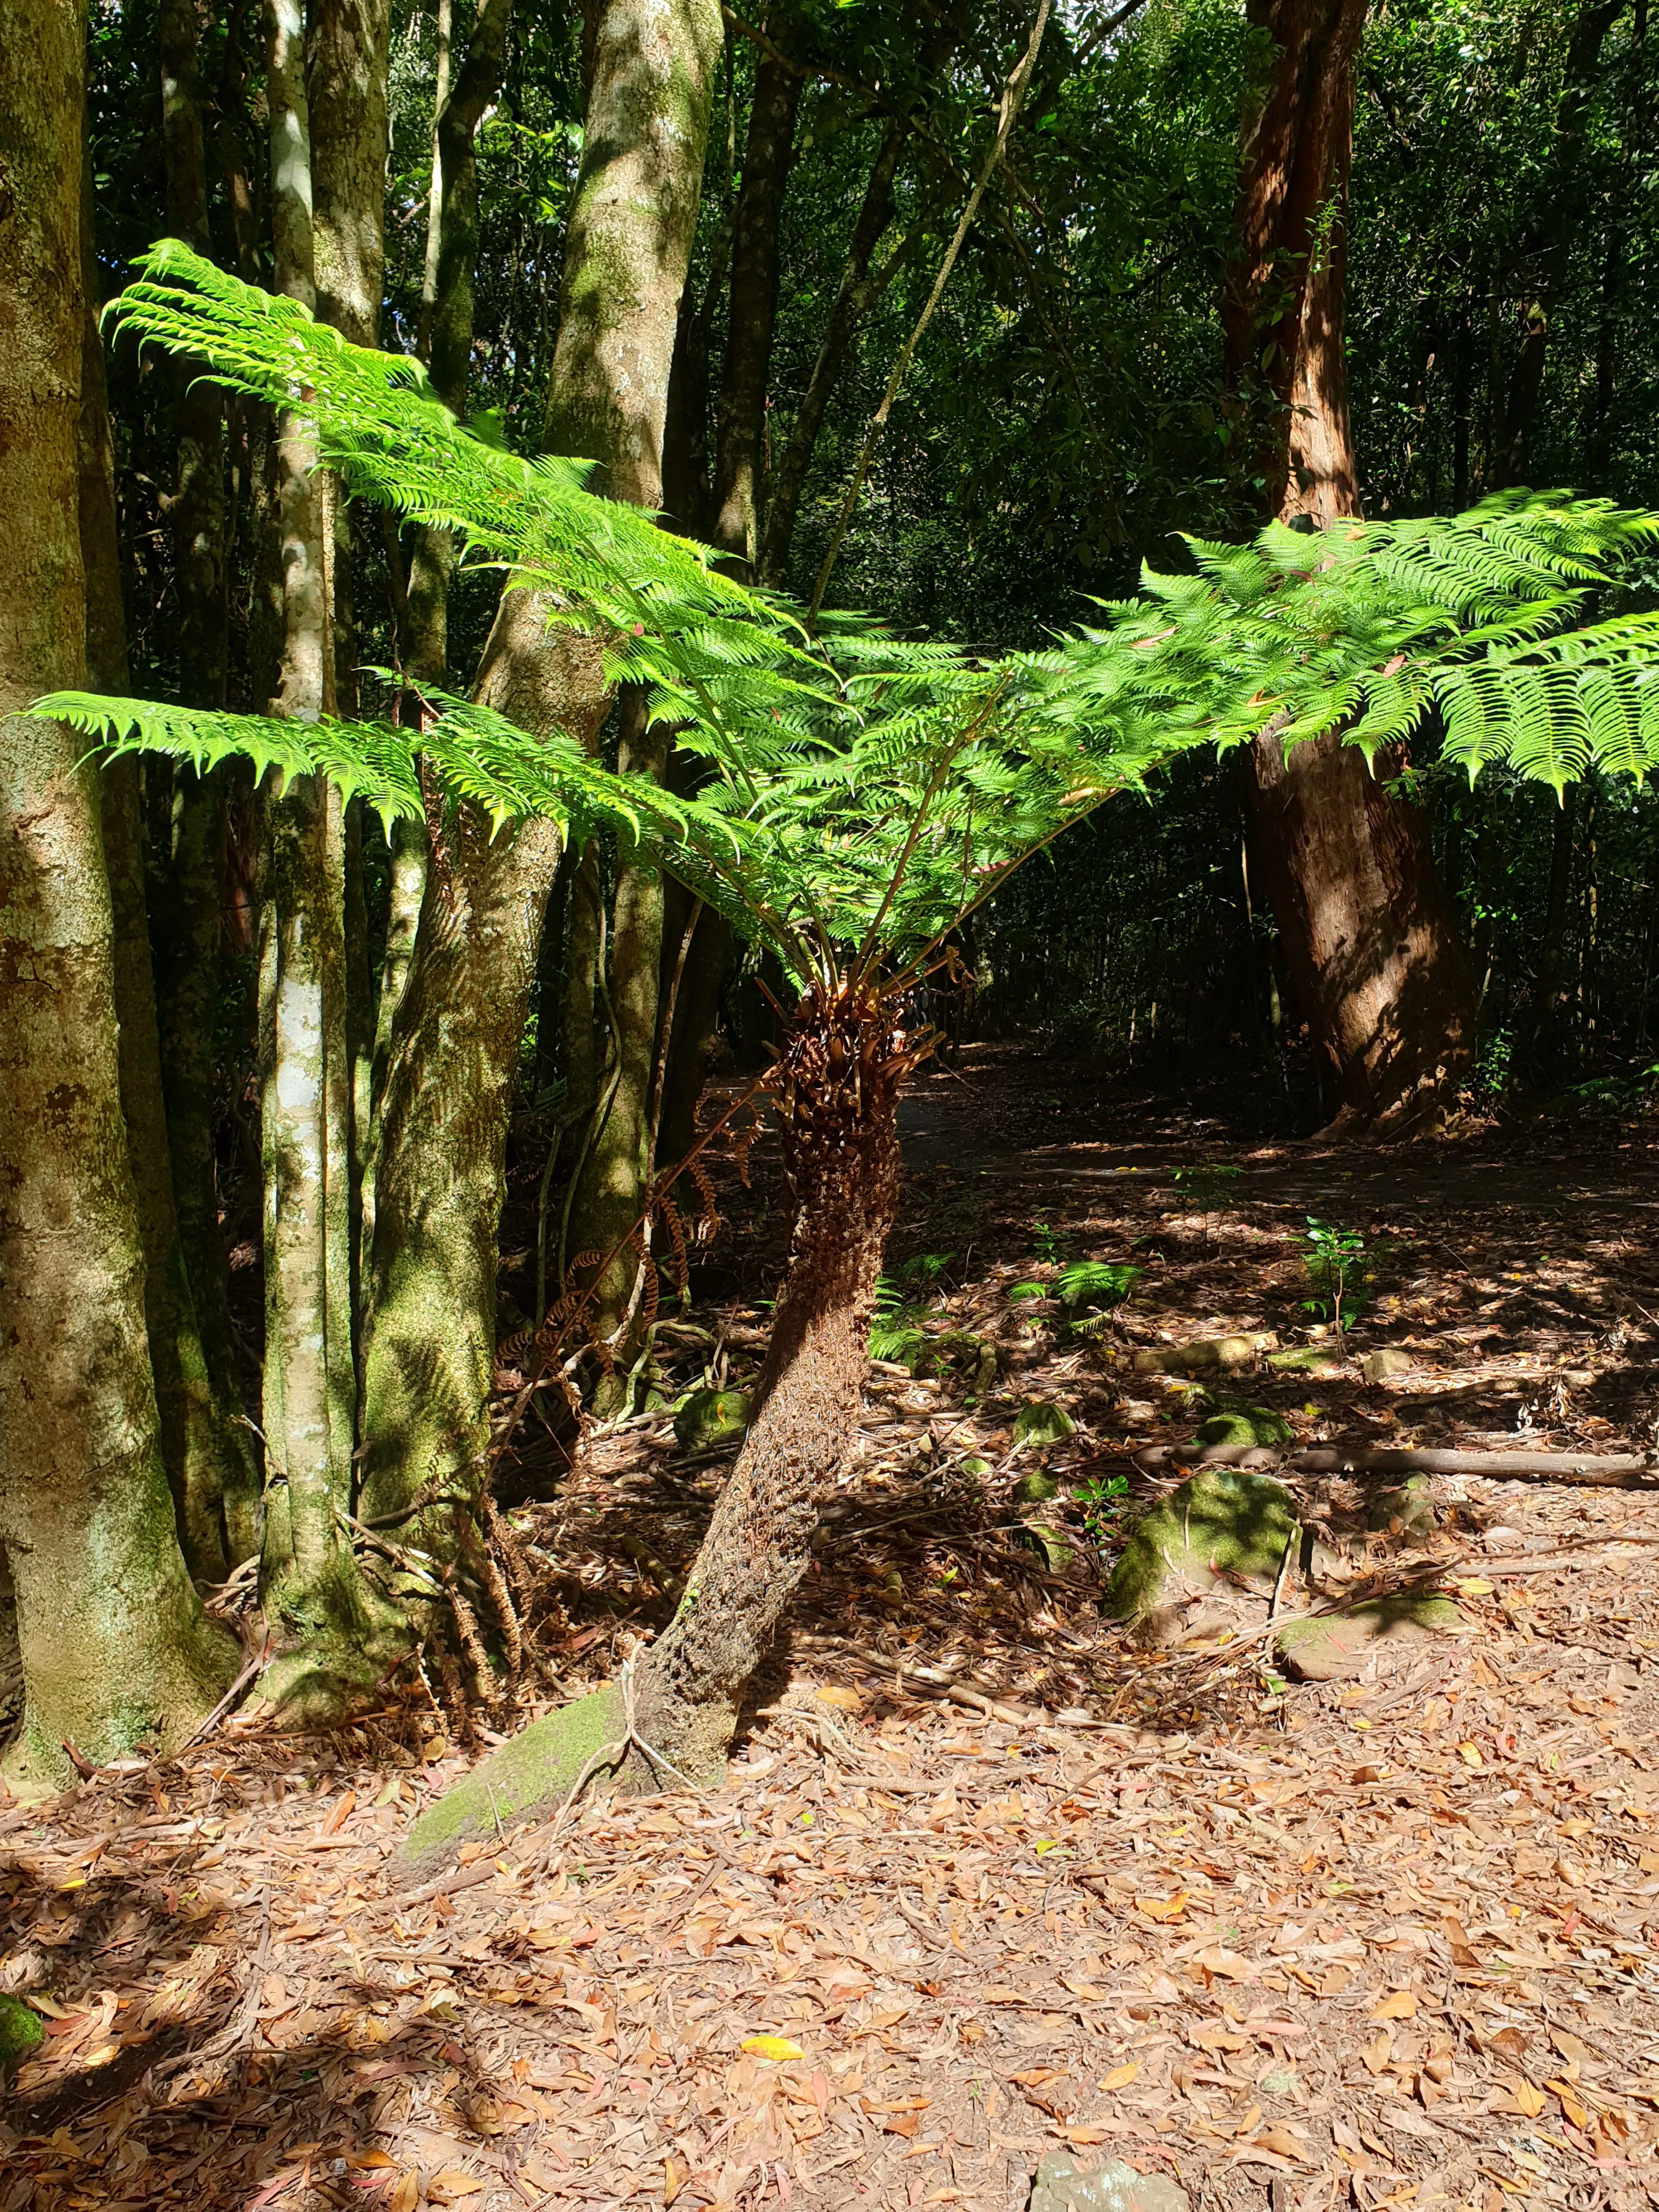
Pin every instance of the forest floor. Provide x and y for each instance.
(1386, 1941)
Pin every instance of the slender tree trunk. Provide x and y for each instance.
(853, 301)
(187, 930)
(626, 253)
(114, 1645)
(208, 1470)
(1560, 211)
(307, 1576)
(696, 1010)
(841, 1154)
(1546, 998)
(748, 364)
(1369, 936)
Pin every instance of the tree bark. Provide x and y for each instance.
(1369, 936)
(308, 1581)
(114, 1645)
(842, 1067)
(754, 306)
(209, 1471)
(627, 250)
(853, 301)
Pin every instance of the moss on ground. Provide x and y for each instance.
(21, 2030)
(1324, 1647)
(533, 1772)
(708, 1418)
(1222, 1517)
(1247, 1428)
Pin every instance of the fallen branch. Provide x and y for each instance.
(1604, 1471)
(1593, 1470)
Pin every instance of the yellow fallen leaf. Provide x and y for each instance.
(1399, 2004)
(1530, 2099)
(1569, 2103)
(1250, 2123)
(1569, 2045)
(1475, 1586)
(672, 2181)
(365, 2160)
(453, 2183)
(1079, 2135)
(101, 2055)
(1470, 1755)
(1162, 1908)
(49, 2006)
(1282, 2143)
(846, 1701)
(406, 2190)
(1120, 2076)
(775, 2048)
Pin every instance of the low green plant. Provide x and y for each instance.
(1335, 1264)
(896, 1329)
(1206, 1182)
(1491, 1078)
(1102, 1498)
(1049, 1243)
(1096, 1282)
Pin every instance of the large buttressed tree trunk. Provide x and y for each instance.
(1370, 937)
(672, 1716)
(113, 1641)
(450, 1066)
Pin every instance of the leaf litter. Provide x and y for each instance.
(984, 1881)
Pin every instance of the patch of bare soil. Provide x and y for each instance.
(995, 1882)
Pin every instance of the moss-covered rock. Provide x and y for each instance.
(1326, 1647)
(21, 2030)
(1036, 1487)
(1055, 1547)
(1402, 1509)
(708, 1418)
(1243, 1427)
(1041, 1423)
(1223, 1518)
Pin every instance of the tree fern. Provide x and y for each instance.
(864, 791)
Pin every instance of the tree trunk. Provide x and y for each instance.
(842, 1067)
(615, 1174)
(696, 1010)
(626, 252)
(755, 246)
(1546, 1001)
(210, 1469)
(114, 1645)
(186, 929)
(1368, 935)
(853, 300)
(308, 1580)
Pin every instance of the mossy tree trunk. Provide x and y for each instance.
(185, 928)
(842, 1067)
(114, 1645)
(208, 1470)
(1368, 935)
(626, 253)
(746, 370)
(309, 1578)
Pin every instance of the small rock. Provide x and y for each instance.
(1244, 1428)
(1055, 1548)
(1063, 2184)
(1304, 1359)
(1339, 1644)
(1041, 1423)
(1403, 1508)
(1036, 1487)
(708, 1418)
(1387, 1359)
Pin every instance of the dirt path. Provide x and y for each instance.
(1383, 1941)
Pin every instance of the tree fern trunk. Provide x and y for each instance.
(841, 1150)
